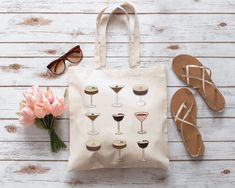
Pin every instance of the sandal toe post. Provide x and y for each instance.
(183, 109)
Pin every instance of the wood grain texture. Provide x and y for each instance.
(35, 32)
(94, 6)
(182, 174)
(154, 28)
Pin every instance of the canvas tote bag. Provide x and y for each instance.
(118, 117)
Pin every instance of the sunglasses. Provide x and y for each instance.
(58, 66)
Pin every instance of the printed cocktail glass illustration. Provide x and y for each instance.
(91, 90)
(119, 145)
(143, 144)
(118, 118)
(141, 116)
(92, 117)
(93, 145)
(116, 89)
(140, 90)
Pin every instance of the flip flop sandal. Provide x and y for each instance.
(192, 72)
(183, 109)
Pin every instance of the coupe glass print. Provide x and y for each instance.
(119, 145)
(92, 117)
(141, 116)
(143, 144)
(91, 90)
(140, 90)
(118, 118)
(116, 89)
(93, 145)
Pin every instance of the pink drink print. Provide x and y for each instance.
(118, 118)
(140, 90)
(92, 117)
(116, 89)
(141, 116)
(91, 90)
(143, 144)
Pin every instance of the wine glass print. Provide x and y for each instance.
(118, 118)
(143, 144)
(116, 89)
(92, 117)
(93, 145)
(141, 116)
(119, 145)
(91, 90)
(140, 90)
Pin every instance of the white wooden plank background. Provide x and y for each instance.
(33, 33)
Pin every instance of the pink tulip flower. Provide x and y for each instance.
(57, 107)
(26, 121)
(40, 110)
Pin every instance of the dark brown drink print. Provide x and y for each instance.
(93, 145)
(92, 117)
(141, 116)
(91, 90)
(140, 90)
(143, 144)
(116, 89)
(118, 118)
(119, 145)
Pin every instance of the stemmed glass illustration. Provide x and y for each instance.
(118, 117)
(93, 145)
(119, 145)
(143, 144)
(91, 90)
(116, 89)
(92, 117)
(140, 90)
(141, 116)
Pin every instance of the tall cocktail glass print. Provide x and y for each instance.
(92, 117)
(143, 144)
(116, 89)
(141, 116)
(118, 118)
(119, 145)
(140, 90)
(91, 90)
(93, 145)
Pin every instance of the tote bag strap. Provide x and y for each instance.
(134, 38)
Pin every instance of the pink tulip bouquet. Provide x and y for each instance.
(41, 108)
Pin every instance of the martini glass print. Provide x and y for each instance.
(92, 117)
(119, 145)
(143, 144)
(141, 116)
(93, 145)
(140, 90)
(116, 89)
(91, 90)
(118, 118)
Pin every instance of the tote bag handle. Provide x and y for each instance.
(134, 38)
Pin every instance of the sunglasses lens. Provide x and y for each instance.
(57, 67)
(75, 57)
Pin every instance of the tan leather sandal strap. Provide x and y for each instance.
(202, 78)
(199, 149)
(177, 118)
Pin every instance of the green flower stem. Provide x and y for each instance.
(56, 142)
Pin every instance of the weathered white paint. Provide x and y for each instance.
(154, 28)
(33, 33)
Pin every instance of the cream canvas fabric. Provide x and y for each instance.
(118, 117)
